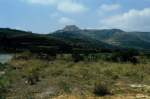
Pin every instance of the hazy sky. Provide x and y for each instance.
(44, 16)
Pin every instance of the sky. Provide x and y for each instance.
(45, 16)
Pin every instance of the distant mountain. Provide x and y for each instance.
(60, 41)
(71, 28)
(72, 37)
(114, 37)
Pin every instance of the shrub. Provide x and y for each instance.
(126, 56)
(65, 86)
(2, 66)
(77, 57)
(4, 83)
(32, 74)
(33, 78)
(24, 55)
(101, 89)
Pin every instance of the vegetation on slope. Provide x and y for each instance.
(71, 37)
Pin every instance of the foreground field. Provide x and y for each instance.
(138, 96)
(62, 78)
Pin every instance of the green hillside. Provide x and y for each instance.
(72, 37)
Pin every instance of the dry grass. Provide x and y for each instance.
(106, 97)
(78, 79)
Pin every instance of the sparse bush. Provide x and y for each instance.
(4, 83)
(126, 56)
(2, 66)
(31, 72)
(32, 79)
(24, 56)
(77, 57)
(64, 86)
(101, 89)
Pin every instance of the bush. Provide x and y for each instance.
(32, 79)
(126, 56)
(65, 86)
(77, 57)
(24, 55)
(101, 89)
(2, 66)
(32, 74)
(44, 56)
(4, 83)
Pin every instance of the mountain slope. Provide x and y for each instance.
(16, 40)
(13, 32)
(114, 37)
(76, 37)
(137, 40)
(72, 37)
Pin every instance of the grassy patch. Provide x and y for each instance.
(65, 76)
